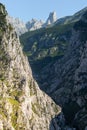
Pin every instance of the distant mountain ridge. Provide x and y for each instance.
(70, 19)
(34, 24)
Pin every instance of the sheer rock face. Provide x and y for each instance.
(22, 105)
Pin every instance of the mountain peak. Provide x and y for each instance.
(52, 18)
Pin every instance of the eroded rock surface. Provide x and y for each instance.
(23, 106)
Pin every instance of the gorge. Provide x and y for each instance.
(58, 59)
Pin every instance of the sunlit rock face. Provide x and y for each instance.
(34, 24)
(23, 106)
(18, 25)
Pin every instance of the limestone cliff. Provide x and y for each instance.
(22, 105)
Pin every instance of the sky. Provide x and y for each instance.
(40, 9)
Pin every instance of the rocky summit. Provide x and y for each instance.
(23, 106)
(52, 18)
(34, 24)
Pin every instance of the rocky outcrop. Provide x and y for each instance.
(51, 19)
(22, 104)
(34, 24)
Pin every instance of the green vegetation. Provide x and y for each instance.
(16, 94)
(2, 78)
(3, 25)
(3, 63)
(15, 105)
(46, 45)
(38, 65)
(10, 27)
(14, 102)
(32, 88)
(2, 113)
(35, 109)
(14, 120)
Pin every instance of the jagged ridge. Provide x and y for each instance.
(21, 27)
